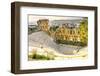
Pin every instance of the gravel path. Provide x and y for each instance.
(42, 39)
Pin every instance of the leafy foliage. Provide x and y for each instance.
(84, 32)
(71, 42)
(41, 57)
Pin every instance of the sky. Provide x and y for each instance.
(32, 19)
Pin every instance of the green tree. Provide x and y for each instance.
(84, 32)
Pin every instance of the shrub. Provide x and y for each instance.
(71, 43)
(42, 57)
